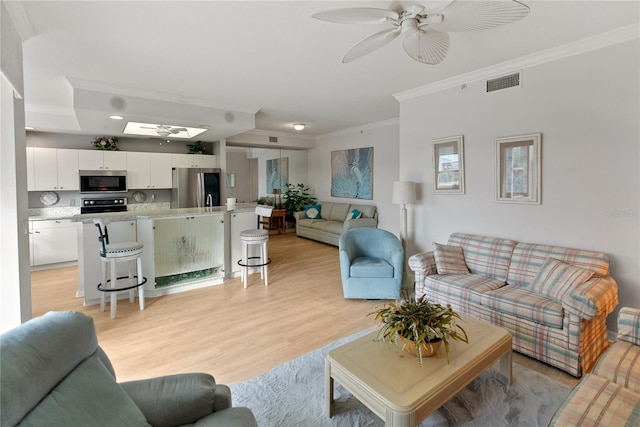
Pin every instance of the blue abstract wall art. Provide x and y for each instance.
(352, 173)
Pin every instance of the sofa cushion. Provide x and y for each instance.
(556, 278)
(354, 214)
(335, 227)
(449, 259)
(598, 402)
(521, 302)
(368, 211)
(620, 364)
(339, 212)
(465, 287)
(325, 209)
(488, 256)
(370, 267)
(629, 325)
(528, 258)
(88, 396)
(312, 211)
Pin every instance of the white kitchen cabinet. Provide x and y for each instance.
(52, 169)
(148, 170)
(193, 161)
(241, 221)
(102, 160)
(53, 241)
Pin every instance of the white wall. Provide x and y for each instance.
(384, 138)
(587, 109)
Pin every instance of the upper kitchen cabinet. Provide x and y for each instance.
(193, 161)
(148, 170)
(102, 160)
(52, 169)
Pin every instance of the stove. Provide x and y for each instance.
(111, 204)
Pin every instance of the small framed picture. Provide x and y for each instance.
(518, 169)
(448, 165)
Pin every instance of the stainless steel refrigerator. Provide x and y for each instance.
(195, 188)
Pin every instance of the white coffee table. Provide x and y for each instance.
(394, 386)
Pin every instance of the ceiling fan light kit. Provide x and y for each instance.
(425, 31)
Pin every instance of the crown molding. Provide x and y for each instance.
(88, 85)
(613, 37)
(357, 129)
(20, 19)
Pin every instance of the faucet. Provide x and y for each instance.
(209, 200)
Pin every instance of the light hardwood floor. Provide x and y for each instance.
(226, 330)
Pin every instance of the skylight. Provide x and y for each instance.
(163, 131)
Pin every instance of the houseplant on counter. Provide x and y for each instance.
(419, 326)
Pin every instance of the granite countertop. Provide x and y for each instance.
(135, 214)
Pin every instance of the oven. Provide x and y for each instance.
(111, 204)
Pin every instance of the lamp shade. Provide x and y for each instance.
(404, 192)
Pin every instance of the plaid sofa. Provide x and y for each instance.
(569, 332)
(610, 395)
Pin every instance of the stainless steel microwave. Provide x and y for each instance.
(103, 181)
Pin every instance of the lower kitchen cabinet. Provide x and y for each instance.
(53, 241)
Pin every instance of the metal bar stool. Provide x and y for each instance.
(254, 237)
(114, 253)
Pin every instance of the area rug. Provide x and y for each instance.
(292, 394)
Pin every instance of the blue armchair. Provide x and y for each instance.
(371, 263)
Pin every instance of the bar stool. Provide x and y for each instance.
(254, 237)
(114, 253)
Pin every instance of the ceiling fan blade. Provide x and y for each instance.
(357, 15)
(178, 130)
(426, 46)
(370, 44)
(479, 15)
(148, 127)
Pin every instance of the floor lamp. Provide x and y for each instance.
(404, 193)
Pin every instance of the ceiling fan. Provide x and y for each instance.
(425, 27)
(165, 130)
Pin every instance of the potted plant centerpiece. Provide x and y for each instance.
(419, 326)
(296, 197)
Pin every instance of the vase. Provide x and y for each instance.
(427, 349)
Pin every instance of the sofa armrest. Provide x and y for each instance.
(298, 215)
(597, 296)
(177, 399)
(360, 222)
(424, 263)
(629, 325)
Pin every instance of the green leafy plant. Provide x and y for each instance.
(296, 198)
(107, 143)
(421, 322)
(196, 147)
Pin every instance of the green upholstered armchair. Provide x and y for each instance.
(371, 264)
(53, 372)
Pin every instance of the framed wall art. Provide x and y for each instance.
(518, 169)
(448, 165)
(277, 174)
(352, 173)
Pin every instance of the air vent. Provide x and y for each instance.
(273, 139)
(504, 82)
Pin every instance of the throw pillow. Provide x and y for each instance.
(312, 211)
(355, 214)
(449, 259)
(556, 278)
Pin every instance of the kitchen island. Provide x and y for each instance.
(184, 249)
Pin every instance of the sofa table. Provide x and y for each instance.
(395, 387)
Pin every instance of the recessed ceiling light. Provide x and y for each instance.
(164, 131)
(29, 128)
(298, 126)
(114, 117)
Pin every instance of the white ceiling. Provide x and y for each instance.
(268, 57)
